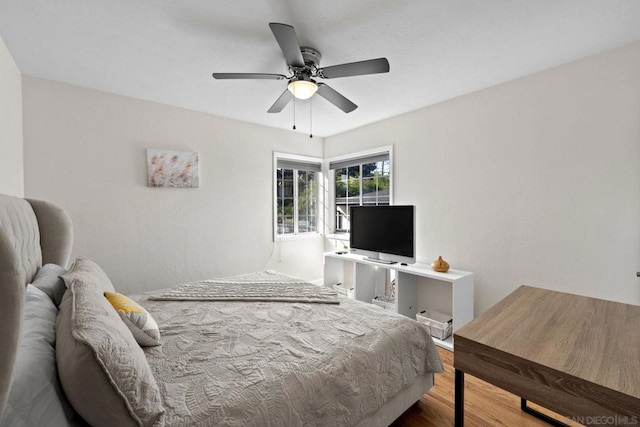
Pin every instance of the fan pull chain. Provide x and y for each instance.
(310, 119)
(294, 113)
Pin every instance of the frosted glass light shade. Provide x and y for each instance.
(302, 89)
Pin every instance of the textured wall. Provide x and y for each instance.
(535, 181)
(85, 150)
(11, 164)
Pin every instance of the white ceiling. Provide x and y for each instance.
(165, 51)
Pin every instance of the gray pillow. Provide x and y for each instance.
(48, 280)
(89, 274)
(36, 397)
(103, 370)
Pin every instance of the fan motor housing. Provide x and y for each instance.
(311, 56)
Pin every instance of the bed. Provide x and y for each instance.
(67, 358)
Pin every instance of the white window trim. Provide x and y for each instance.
(319, 215)
(330, 229)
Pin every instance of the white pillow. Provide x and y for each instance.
(36, 397)
(144, 329)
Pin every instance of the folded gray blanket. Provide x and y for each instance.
(268, 286)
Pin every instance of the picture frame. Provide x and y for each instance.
(172, 169)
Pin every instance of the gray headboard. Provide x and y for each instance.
(32, 233)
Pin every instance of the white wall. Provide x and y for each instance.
(85, 150)
(536, 181)
(11, 164)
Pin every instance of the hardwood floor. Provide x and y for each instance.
(485, 405)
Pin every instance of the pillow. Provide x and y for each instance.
(90, 274)
(48, 280)
(103, 370)
(138, 320)
(36, 397)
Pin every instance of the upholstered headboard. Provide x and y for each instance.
(32, 233)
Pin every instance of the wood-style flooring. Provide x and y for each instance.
(485, 405)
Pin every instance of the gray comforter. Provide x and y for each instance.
(283, 363)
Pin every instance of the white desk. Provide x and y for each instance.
(366, 276)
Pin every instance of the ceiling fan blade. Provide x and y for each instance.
(286, 37)
(249, 76)
(281, 102)
(335, 98)
(371, 66)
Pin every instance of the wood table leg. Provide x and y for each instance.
(459, 399)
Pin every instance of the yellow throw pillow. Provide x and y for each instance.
(138, 320)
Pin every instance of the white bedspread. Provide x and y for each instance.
(283, 364)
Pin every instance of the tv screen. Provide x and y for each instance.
(383, 232)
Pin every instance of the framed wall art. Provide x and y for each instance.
(173, 169)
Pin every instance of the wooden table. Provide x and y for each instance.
(577, 356)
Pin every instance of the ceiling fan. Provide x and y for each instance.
(303, 64)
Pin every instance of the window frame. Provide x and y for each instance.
(295, 158)
(361, 155)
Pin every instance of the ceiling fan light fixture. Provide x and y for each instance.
(302, 89)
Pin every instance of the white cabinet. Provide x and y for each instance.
(368, 279)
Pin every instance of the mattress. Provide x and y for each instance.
(270, 363)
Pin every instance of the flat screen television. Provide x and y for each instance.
(383, 233)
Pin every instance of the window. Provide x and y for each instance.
(360, 181)
(297, 180)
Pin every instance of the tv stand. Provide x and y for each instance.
(365, 275)
(380, 261)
